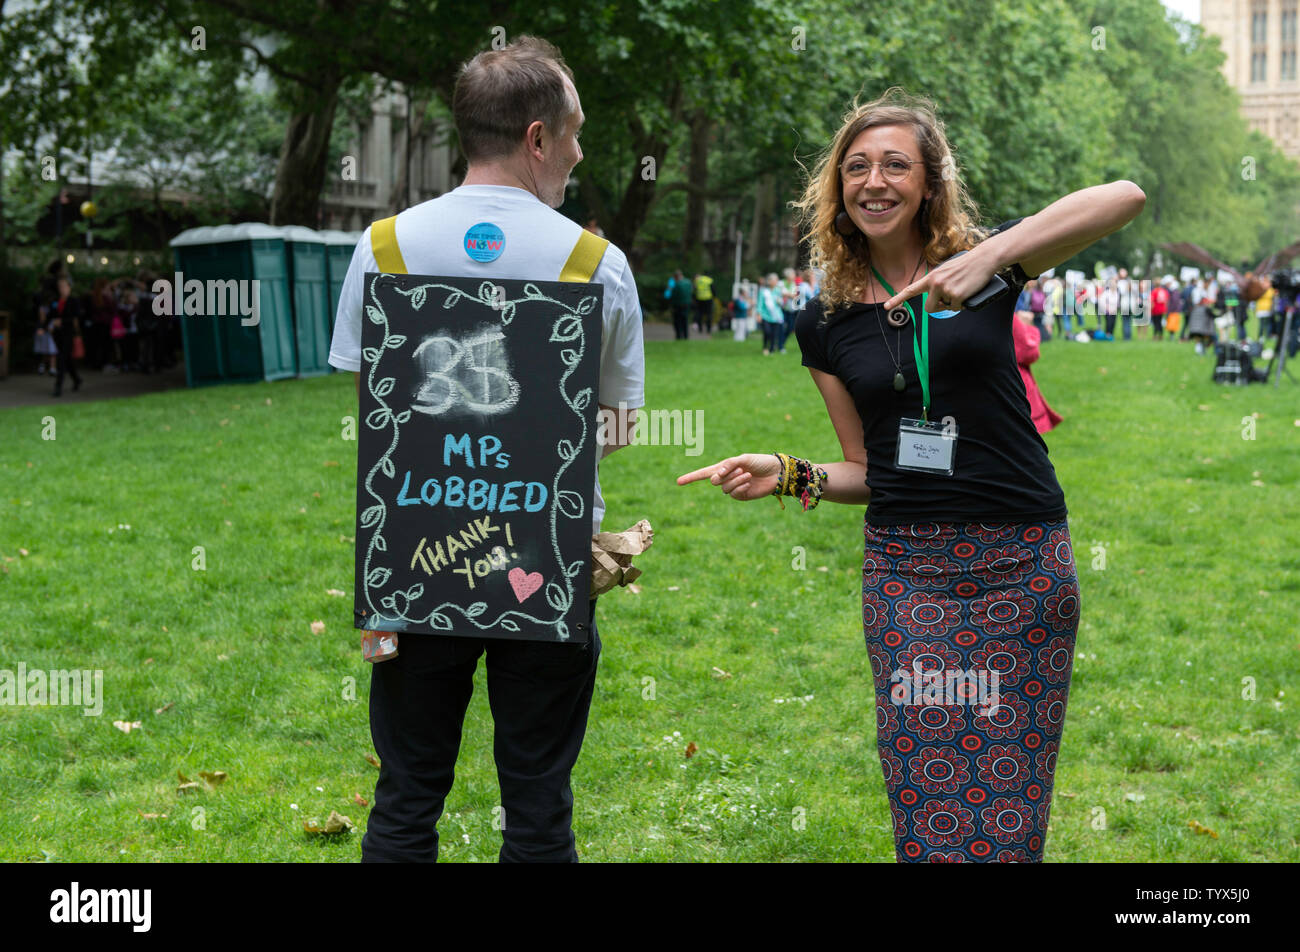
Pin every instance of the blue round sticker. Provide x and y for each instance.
(485, 241)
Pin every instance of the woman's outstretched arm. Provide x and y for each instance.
(1039, 242)
(1067, 226)
(754, 475)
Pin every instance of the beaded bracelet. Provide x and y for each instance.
(801, 479)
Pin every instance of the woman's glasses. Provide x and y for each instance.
(856, 169)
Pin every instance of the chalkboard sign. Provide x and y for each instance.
(476, 460)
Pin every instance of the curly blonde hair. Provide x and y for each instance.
(947, 219)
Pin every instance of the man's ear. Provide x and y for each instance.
(533, 137)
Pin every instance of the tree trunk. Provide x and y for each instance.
(640, 191)
(637, 197)
(698, 175)
(4, 248)
(300, 176)
(416, 108)
(160, 217)
(593, 201)
(760, 231)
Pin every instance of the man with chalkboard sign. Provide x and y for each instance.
(500, 251)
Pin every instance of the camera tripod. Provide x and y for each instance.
(1279, 352)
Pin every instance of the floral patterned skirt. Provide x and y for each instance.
(970, 629)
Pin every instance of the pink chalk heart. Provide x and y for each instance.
(524, 583)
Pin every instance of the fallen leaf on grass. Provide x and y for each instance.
(210, 778)
(1068, 796)
(335, 592)
(372, 760)
(166, 707)
(691, 749)
(315, 495)
(224, 423)
(23, 552)
(335, 823)
(719, 673)
(127, 726)
(359, 800)
(317, 627)
(634, 588)
(152, 816)
(1199, 828)
(331, 462)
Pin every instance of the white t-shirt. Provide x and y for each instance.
(538, 241)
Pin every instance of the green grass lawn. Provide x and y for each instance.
(760, 665)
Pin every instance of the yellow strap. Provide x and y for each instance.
(585, 258)
(383, 243)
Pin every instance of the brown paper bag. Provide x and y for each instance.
(612, 553)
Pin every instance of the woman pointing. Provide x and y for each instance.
(969, 594)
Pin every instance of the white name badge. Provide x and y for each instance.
(926, 447)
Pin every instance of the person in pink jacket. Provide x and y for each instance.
(1026, 339)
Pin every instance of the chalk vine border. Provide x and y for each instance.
(567, 329)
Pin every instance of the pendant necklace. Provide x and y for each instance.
(900, 383)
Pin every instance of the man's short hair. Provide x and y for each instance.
(500, 93)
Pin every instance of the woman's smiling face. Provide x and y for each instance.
(884, 210)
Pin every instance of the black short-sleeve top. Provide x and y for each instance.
(1001, 472)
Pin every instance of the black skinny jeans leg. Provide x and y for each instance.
(540, 694)
(65, 364)
(417, 709)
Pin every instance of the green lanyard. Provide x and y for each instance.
(921, 347)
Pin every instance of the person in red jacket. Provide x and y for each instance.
(1026, 338)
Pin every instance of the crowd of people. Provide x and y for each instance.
(1163, 309)
(113, 328)
(1086, 310)
(769, 304)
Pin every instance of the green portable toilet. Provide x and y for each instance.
(220, 347)
(309, 290)
(339, 246)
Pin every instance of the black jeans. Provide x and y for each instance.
(704, 316)
(681, 322)
(65, 364)
(540, 694)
